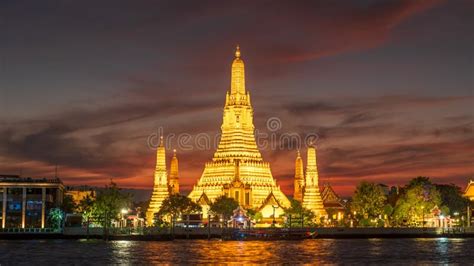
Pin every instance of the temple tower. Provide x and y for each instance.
(174, 175)
(312, 197)
(237, 154)
(299, 178)
(160, 188)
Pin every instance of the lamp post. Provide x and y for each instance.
(274, 221)
(123, 212)
(423, 216)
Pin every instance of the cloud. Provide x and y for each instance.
(360, 105)
(174, 76)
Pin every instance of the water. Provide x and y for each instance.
(351, 251)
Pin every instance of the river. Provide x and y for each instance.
(349, 251)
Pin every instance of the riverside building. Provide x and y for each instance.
(26, 202)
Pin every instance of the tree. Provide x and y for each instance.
(419, 181)
(254, 215)
(419, 197)
(108, 205)
(177, 205)
(453, 199)
(368, 202)
(298, 212)
(55, 218)
(224, 206)
(86, 208)
(68, 205)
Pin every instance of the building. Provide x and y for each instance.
(299, 178)
(174, 175)
(469, 193)
(164, 184)
(333, 204)
(79, 193)
(160, 188)
(311, 196)
(237, 168)
(26, 202)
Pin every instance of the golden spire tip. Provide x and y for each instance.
(237, 51)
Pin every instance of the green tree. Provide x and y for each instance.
(55, 218)
(224, 206)
(86, 208)
(254, 215)
(452, 197)
(368, 202)
(68, 205)
(419, 181)
(387, 211)
(177, 205)
(297, 211)
(418, 199)
(108, 205)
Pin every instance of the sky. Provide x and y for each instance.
(387, 86)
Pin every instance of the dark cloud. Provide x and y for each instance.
(356, 106)
(119, 70)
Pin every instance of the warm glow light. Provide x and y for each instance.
(237, 168)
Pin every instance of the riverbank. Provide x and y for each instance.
(258, 234)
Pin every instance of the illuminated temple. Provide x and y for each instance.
(312, 199)
(164, 184)
(237, 168)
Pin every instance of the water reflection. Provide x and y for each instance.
(318, 251)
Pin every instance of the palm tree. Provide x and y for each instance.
(56, 218)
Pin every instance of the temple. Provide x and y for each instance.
(334, 205)
(469, 192)
(311, 196)
(237, 168)
(299, 178)
(174, 175)
(161, 188)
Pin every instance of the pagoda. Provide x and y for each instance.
(237, 168)
(161, 188)
(311, 196)
(299, 178)
(174, 175)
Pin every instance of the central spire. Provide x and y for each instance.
(237, 85)
(237, 168)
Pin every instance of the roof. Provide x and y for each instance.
(328, 194)
(469, 192)
(330, 198)
(203, 199)
(18, 179)
(270, 199)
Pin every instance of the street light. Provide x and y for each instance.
(274, 208)
(123, 211)
(423, 215)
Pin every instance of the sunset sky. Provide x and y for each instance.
(386, 85)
